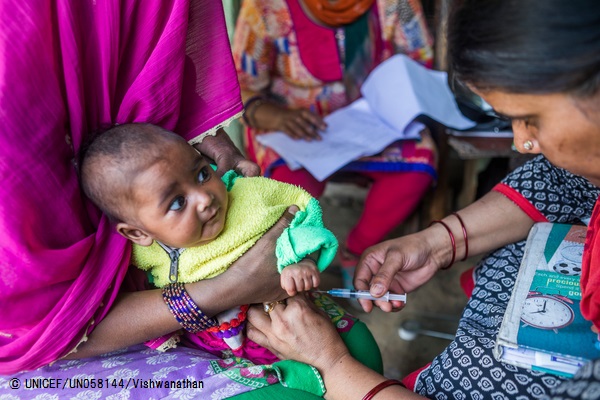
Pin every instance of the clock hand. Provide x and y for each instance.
(543, 310)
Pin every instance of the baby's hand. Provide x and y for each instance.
(300, 277)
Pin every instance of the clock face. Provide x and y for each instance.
(546, 312)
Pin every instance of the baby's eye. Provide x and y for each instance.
(177, 204)
(203, 175)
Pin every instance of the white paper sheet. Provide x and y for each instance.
(353, 131)
(400, 89)
(396, 92)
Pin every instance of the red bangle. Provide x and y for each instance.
(464, 229)
(451, 239)
(380, 387)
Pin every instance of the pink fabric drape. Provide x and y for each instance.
(67, 68)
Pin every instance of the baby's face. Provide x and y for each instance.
(178, 199)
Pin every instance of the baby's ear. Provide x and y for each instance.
(134, 234)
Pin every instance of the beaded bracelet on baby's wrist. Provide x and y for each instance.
(185, 311)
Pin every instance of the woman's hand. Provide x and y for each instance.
(257, 271)
(299, 124)
(226, 155)
(399, 265)
(299, 331)
(253, 278)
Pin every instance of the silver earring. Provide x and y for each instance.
(528, 145)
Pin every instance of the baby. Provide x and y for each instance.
(187, 224)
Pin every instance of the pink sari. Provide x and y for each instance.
(69, 67)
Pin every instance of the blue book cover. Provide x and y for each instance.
(543, 328)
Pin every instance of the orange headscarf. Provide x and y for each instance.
(340, 12)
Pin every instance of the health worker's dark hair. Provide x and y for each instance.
(526, 46)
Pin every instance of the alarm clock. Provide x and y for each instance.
(547, 311)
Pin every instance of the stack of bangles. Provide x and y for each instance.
(453, 241)
(380, 387)
(186, 312)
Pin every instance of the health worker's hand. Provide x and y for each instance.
(399, 265)
(253, 278)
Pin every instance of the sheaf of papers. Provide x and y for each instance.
(396, 92)
(400, 89)
(353, 132)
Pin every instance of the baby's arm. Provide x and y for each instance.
(300, 277)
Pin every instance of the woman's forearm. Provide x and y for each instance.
(134, 318)
(262, 114)
(137, 317)
(491, 222)
(348, 379)
(141, 316)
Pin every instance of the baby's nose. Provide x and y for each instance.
(203, 200)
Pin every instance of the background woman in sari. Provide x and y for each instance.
(300, 60)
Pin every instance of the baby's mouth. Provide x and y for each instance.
(214, 216)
